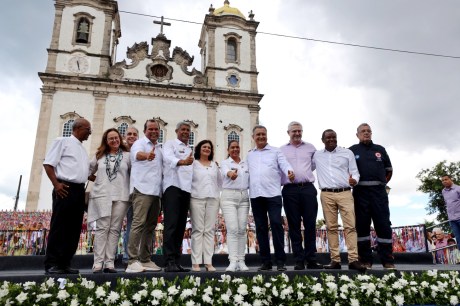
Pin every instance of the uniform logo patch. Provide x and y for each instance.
(379, 156)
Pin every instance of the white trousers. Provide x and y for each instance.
(107, 234)
(203, 213)
(235, 206)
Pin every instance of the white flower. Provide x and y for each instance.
(332, 286)
(226, 278)
(257, 290)
(432, 273)
(330, 278)
(4, 292)
(113, 297)
(186, 293)
(50, 282)
(158, 294)
(28, 285)
(344, 289)
(453, 300)
(424, 284)
(87, 284)
(300, 295)
(285, 277)
(243, 289)
(207, 299)
(345, 278)
(388, 303)
(274, 291)
(238, 299)
(62, 295)
(354, 302)
(316, 303)
(300, 286)
(74, 302)
(268, 285)
(137, 297)
(317, 288)
(173, 290)
(43, 296)
(89, 301)
(258, 279)
(126, 303)
(100, 292)
(257, 303)
(237, 280)
(21, 297)
(154, 302)
(343, 296)
(143, 293)
(190, 303)
(208, 290)
(225, 298)
(62, 282)
(144, 284)
(399, 299)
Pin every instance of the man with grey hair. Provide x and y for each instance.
(371, 198)
(67, 167)
(299, 198)
(177, 185)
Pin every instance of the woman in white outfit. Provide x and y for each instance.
(109, 198)
(204, 205)
(235, 205)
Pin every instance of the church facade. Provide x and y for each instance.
(84, 79)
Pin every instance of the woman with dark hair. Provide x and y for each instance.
(109, 198)
(235, 205)
(204, 205)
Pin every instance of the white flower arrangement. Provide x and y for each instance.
(427, 288)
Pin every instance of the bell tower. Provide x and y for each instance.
(85, 36)
(228, 49)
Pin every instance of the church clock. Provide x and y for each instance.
(78, 64)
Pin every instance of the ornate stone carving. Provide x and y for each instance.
(116, 72)
(193, 124)
(182, 58)
(124, 119)
(70, 115)
(160, 43)
(232, 126)
(137, 53)
(159, 69)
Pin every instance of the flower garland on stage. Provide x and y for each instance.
(430, 287)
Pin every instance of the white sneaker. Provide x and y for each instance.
(242, 266)
(150, 266)
(135, 267)
(232, 267)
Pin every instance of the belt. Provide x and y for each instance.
(71, 184)
(336, 189)
(299, 184)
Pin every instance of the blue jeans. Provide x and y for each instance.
(455, 225)
(261, 206)
(129, 220)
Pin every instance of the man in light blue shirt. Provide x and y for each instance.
(266, 163)
(451, 194)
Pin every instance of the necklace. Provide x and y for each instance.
(109, 158)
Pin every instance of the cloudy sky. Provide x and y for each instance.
(409, 100)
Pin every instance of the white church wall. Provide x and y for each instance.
(244, 84)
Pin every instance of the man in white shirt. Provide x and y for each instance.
(265, 165)
(337, 171)
(177, 185)
(145, 190)
(67, 167)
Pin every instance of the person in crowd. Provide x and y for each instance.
(371, 198)
(108, 201)
(451, 195)
(204, 205)
(177, 185)
(66, 165)
(235, 205)
(145, 188)
(337, 173)
(37, 239)
(454, 253)
(299, 198)
(413, 244)
(186, 243)
(132, 134)
(266, 163)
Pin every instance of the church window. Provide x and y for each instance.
(159, 71)
(232, 47)
(83, 31)
(233, 136)
(231, 50)
(122, 128)
(67, 129)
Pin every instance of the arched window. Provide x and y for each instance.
(122, 128)
(233, 136)
(191, 140)
(67, 129)
(83, 31)
(231, 50)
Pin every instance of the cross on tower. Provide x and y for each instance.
(162, 23)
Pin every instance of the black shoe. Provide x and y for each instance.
(69, 270)
(356, 265)
(281, 267)
(171, 267)
(299, 265)
(266, 266)
(334, 265)
(182, 269)
(110, 270)
(54, 270)
(314, 265)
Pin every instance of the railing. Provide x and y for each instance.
(445, 249)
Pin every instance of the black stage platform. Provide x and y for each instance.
(20, 269)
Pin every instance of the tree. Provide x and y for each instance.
(431, 184)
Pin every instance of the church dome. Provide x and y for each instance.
(227, 10)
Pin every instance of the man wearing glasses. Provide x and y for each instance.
(67, 167)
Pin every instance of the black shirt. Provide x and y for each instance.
(373, 162)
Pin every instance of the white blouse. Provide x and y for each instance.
(242, 180)
(206, 181)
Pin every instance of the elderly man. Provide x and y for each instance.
(66, 165)
(177, 185)
(451, 194)
(145, 190)
(299, 198)
(336, 170)
(265, 165)
(371, 198)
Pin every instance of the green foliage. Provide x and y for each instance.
(431, 184)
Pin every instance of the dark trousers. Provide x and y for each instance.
(65, 226)
(176, 204)
(371, 204)
(301, 205)
(262, 206)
